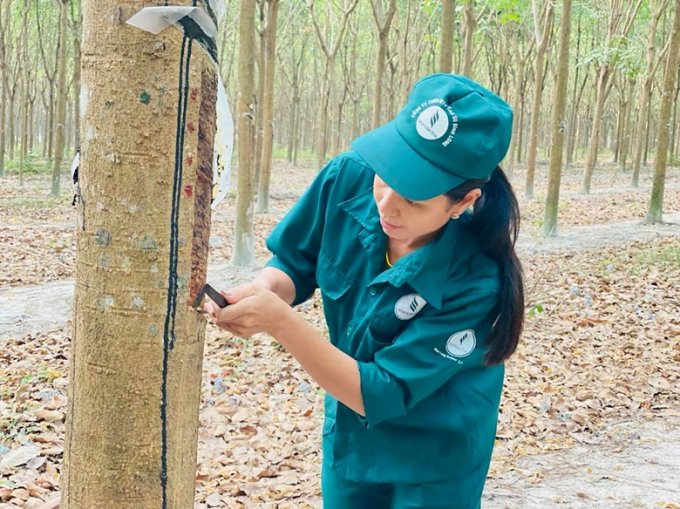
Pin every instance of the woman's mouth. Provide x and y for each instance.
(388, 226)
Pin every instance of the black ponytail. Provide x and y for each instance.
(496, 220)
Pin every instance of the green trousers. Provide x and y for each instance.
(339, 493)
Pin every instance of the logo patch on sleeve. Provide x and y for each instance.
(461, 344)
(409, 306)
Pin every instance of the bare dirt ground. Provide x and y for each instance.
(591, 410)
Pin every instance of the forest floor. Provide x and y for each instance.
(591, 407)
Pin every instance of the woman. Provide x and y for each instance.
(423, 299)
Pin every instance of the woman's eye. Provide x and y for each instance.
(410, 202)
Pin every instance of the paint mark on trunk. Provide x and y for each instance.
(102, 237)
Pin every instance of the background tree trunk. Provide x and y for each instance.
(470, 24)
(543, 28)
(244, 247)
(646, 90)
(655, 210)
(383, 22)
(618, 27)
(62, 95)
(268, 108)
(5, 34)
(142, 247)
(446, 41)
(558, 124)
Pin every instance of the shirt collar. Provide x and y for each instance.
(425, 269)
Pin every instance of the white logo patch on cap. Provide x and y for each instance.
(409, 306)
(432, 123)
(461, 344)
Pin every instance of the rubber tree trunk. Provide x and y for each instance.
(594, 144)
(470, 24)
(62, 95)
(541, 48)
(446, 41)
(259, 104)
(645, 99)
(558, 124)
(322, 114)
(4, 28)
(143, 226)
(655, 210)
(244, 243)
(268, 109)
(383, 26)
(625, 134)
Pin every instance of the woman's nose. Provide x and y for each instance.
(389, 204)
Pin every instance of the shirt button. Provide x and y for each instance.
(349, 331)
(372, 291)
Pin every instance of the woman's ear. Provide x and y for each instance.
(468, 201)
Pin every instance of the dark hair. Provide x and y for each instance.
(496, 220)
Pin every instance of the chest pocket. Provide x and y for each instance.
(332, 281)
(384, 330)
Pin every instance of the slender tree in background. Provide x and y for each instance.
(621, 17)
(143, 226)
(50, 73)
(25, 73)
(75, 26)
(469, 27)
(521, 58)
(446, 41)
(329, 48)
(542, 28)
(655, 210)
(383, 21)
(268, 108)
(62, 95)
(244, 244)
(559, 126)
(5, 11)
(646, 90)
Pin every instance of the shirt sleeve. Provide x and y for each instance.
(296, 241)
(429, 351)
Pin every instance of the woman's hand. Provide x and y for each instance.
(252, 308)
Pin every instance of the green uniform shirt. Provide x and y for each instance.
(416, 331)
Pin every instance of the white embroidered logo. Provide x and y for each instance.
(461, 344)
(432, 123)
(409, 306)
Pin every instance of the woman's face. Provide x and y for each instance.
(408, 220)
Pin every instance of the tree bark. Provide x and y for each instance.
(446, 41)
(62, 95)
(143, 225)
(268, 108)
(558, 124)
(244, 243)
(655, 210)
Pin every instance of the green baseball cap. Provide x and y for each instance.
(451, 130)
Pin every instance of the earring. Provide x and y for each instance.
(455, 216)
